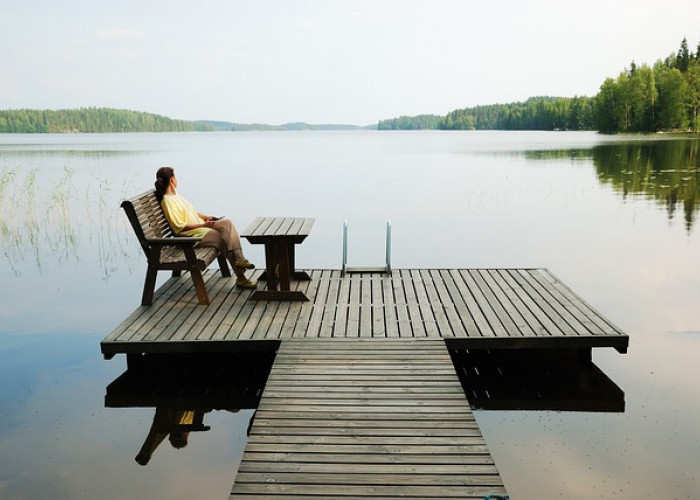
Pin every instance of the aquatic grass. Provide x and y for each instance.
(48, 215)
(6, 182)
(130, 248)
(44, 215)
(30, 223)
(104, 228)
(11, 243)
(59, 229)
(107, 225)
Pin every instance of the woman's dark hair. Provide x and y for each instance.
(178, 439)
(163, 176)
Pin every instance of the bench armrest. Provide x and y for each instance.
(175, 241)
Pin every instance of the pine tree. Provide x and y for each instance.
(683, 57)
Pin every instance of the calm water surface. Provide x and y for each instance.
(614, 217)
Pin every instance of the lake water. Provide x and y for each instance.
(614, 217)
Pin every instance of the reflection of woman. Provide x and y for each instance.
(186, 221)
(166, 421)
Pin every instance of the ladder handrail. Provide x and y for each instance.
(388, 246)
(345, 248)
(387, 264)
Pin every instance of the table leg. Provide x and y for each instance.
(293, 273)
(271, 260)
(284, 266)
(279, 268)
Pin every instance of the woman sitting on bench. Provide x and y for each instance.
(186, 221)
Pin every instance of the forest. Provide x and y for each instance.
(420, 122)
(537, 113)
(664, 97)
(97, 120)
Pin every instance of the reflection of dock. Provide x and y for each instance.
(493, 308)
(363, 396)
(511, 379)
(229, 381)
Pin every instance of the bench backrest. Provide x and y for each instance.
(147, 218)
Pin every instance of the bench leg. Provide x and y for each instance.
(149, 286)
(197, 278)
(223, 265)
(199, 286)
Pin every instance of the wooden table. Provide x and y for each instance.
(279, 235)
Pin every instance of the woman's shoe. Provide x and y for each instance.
(245, 283)
(244, 263)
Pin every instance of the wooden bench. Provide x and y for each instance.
(166, 251)
(279, 235)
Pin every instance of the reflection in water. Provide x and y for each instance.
(183, 388)
(665, 171)
(521, 379)
(176, 425)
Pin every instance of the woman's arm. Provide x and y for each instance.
(207, 222)
(190, 227)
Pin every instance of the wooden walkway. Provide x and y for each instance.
(365, 418)
(471, 308)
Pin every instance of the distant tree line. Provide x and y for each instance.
(222, 126)
(91, 120)
(642, 99)
(537, 113)
(420, 122)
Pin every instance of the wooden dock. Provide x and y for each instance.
(470, 308)
(363, 399)
(379, 418)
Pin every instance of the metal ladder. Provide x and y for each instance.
(385, 269)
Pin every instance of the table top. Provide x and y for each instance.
(272, 228)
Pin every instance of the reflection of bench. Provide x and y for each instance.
(164, 250)
(279, 235)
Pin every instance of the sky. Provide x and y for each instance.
(324, 61)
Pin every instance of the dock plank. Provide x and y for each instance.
(424, 306)
(366, 305)
(378, 304)
(404, 322)
(329, 310)
(352, 329)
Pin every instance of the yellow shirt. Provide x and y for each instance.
(180, 213)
